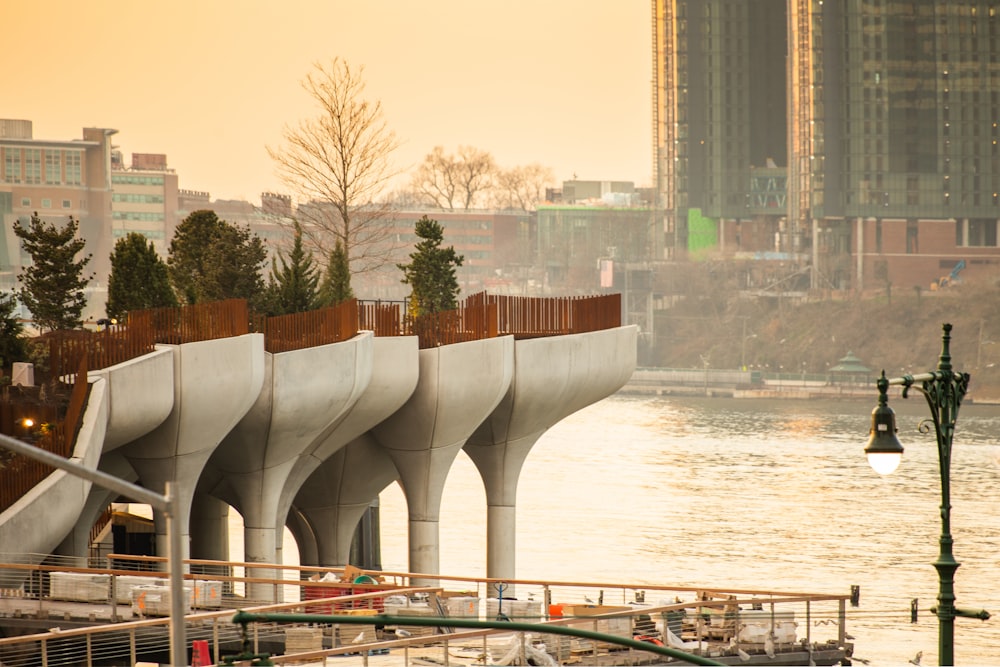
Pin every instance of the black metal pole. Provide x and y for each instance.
(944, 390)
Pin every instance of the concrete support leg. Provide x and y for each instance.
(501, 545)
(425, 550)
(209, 528)
(305, 538)
(210, 535)
(259, 548)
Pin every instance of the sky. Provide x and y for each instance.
(213, 83)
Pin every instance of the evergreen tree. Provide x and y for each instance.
(293, 287)
(138, 278)
(12, 343)
(336, 286)
(52, 287)
(431, 271)
(211, 260)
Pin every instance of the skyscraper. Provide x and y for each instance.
(859, 135)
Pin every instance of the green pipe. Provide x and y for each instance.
(243, 618)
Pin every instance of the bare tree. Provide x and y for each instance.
(476, 170)
(455, 181)
(522, 187)
(435, 179)
(338, 164)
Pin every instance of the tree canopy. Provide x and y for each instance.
(471, 178)
(52, 286)
(336, 285)
(138, 278)
(211, 260)
(293, 287)
(455, 181)
(431, 271)
(12, 343)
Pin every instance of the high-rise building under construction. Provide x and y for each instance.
(853, 139)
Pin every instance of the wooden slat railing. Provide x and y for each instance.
(190, 324)
(483, 315)
(296, 331)
(54, 429)
(384, 318)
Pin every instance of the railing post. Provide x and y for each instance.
(493, 321)
(842, 623)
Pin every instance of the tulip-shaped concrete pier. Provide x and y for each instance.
(328, 485)
(334, 500)
(304, 392)
(459, 387)
(215, 383)
(553, 377)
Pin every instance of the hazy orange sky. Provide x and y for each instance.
(211, 83)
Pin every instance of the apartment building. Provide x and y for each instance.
(855, 141)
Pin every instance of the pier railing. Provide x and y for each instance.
(800, 627)
(479, 316)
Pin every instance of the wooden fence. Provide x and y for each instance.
(297, 331)
(44, 416)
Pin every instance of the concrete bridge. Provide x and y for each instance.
(309, 437)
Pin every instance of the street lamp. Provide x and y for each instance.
(944, 389)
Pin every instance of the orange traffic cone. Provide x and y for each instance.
(199, 654)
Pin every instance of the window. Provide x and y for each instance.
(53, 167)
(66, 203)
(981, 233)
(46, 203)
(12, 165)
(911, 237)
(32, 166)
(74, 168)
(25, 201)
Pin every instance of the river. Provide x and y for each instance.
(749, 494)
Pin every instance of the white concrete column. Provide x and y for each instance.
(209, 528)
(501, 543)
(261, 541)
(425, 549)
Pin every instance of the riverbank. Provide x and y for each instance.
(752, 384)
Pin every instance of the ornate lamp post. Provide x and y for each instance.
(944, 389)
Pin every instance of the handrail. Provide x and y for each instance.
(724, 607)
(243, 618)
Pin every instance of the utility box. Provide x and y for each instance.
(22, 373)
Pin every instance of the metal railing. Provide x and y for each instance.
(716, 622)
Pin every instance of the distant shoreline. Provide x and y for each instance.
(748, 384)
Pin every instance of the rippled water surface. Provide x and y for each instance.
(749, 494)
